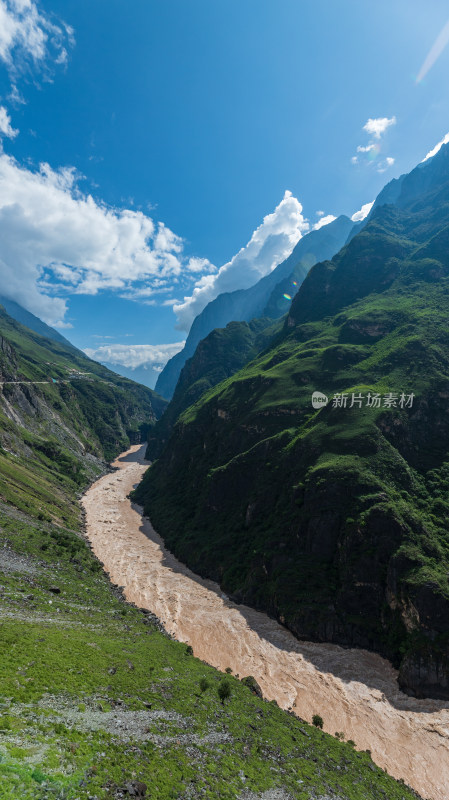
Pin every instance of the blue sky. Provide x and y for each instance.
(186, 121)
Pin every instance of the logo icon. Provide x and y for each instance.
(319, 400)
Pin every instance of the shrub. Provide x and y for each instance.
(38, 775)
(252, 684)
(204, 684)
(317, 721)
(189, 650)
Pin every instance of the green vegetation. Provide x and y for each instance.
(96, 702)
(318, 722)
(224, 691)
(336, 519)
(89, 408)
(222, 353)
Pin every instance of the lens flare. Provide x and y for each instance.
(434, 53)
(287, 297)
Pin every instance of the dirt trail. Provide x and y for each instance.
(354, 691)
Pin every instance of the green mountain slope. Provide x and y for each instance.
(335, 520)
(265, 298)
(222, 353)
(53, 392)
(28, 319)
(95, 700)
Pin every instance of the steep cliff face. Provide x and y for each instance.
(265, 298)
(335, 519)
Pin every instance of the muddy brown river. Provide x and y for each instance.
(355, 691)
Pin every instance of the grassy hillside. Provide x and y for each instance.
(336, 519)
(96, 702)
(54, 395)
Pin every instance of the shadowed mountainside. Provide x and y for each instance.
(335, 520)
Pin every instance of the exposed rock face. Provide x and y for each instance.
(8, 361)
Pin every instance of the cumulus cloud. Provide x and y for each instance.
(55, 241)
(376, 127)
(324, 221)
(437, 147)
(200, 265)
(371, 153)
(6, 128)
(269, 245)
(152, 356)
(363, 212)
(30, 39)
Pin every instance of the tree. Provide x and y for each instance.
(317, 721)
(224, 691)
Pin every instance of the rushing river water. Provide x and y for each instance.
(355, 691)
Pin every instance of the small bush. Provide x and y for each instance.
(317, 721)
(228, 670)
(37, 775)
(204, 684)
(189, 650)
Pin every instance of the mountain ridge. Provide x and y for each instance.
(242, 305)
(334, 520)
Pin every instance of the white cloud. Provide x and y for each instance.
(371, 152)
(153, 356)
(15, 97)
(437, 147)
(269, 245)
(30, 40)
(320, 213)
(200, 265)
(435, 51)
(63, 325)
(363, 212)
(324, 221)
(376, 127)
(5, 124)
(386, 164)
(56, 240)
